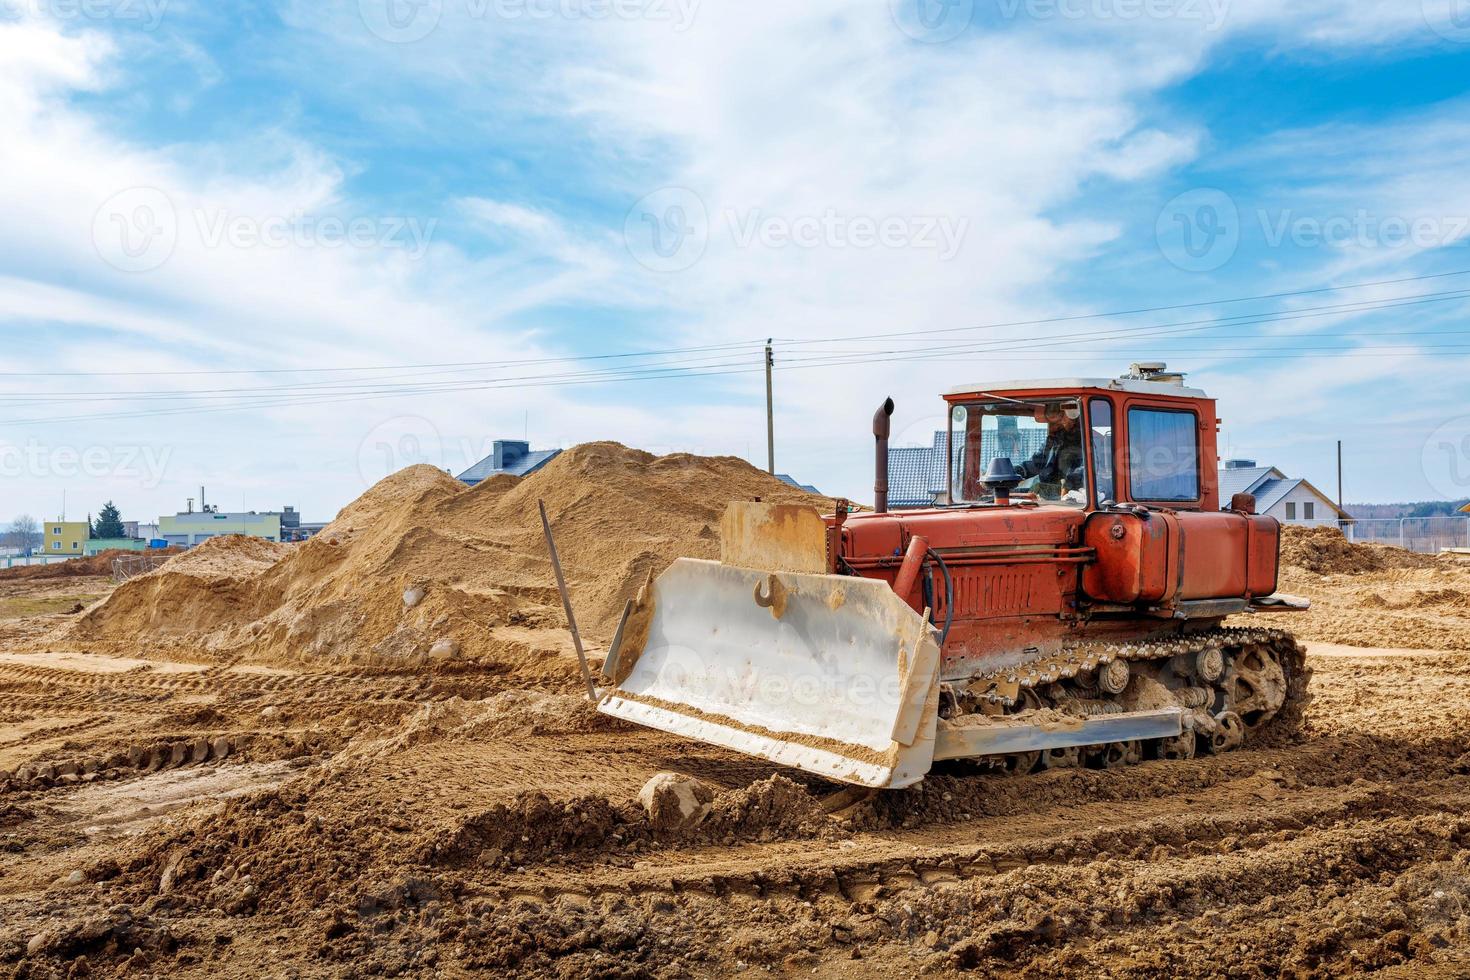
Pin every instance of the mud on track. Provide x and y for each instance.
(335, 824)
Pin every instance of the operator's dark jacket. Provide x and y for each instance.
(1059, 461)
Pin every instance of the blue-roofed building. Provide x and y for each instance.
(511, 456)
(790, 481)
(916, 474)
(1289, 500)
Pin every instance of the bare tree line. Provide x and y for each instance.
(23, 534)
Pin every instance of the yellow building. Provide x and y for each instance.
(66, 537)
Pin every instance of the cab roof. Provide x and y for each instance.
(1137, 386)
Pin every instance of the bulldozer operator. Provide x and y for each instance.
(1058, 466)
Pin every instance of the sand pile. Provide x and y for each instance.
(618, 514)
(196, 591)
(421, 566)
(1374, 595)
(1326, 551)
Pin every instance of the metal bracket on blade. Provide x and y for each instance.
(1008, 736)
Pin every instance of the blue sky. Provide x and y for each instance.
(216, 203)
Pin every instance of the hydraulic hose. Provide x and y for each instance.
(948, 596)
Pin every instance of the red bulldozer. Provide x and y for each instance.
(1060, 603)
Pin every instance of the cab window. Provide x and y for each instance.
(1163, 454)
(1042, 438)
(1100, 429)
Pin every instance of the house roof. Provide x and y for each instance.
(1465, 509)
(1268, 485)
(911, 476)
(1269, 493)
(521, 466)
(790, 480)
(1247, 479)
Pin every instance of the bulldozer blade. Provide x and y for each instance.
(831, 674)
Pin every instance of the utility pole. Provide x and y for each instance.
(1339, 474)
(770, 415)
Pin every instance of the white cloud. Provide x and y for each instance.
(37, 61)
(779, 117)
(255, 277)
(521, 221)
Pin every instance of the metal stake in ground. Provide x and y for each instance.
(566, 602)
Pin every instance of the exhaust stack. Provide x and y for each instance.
(880, 433)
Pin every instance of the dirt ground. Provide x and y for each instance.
(195, 808)
(25, 599)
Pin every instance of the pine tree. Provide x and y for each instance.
(109, 523)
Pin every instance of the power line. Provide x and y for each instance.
(360, 385)
(736, 344)
(328, 387)
(459, 365)
(329, 398)
(335, 392)
(1151, 309)
(693, 374)
(1181, 327)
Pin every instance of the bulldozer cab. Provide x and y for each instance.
(1085, 443)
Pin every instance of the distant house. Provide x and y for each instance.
(66, 537)
(790, 481)
(1465, 509)
(1289, 500)
(510, 456)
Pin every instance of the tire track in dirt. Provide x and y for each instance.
(67, 689)
(1085, 887)
(866, 865)
(116, 703)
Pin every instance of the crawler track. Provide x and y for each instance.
(1237, 686)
